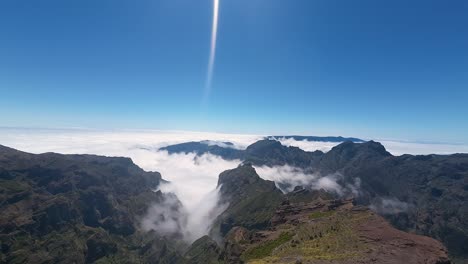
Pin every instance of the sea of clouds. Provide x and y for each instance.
(194, 178)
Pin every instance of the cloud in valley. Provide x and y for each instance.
(287, 177)
(192, 221)
(389, 205)
(167, 218)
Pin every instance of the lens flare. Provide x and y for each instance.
(214, 33)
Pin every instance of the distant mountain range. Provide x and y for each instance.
(84, 208)
(319, 139)
(228, 151)
(203, 147)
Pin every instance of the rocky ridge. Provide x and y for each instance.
(312, 229)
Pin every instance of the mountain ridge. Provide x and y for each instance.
(309, 230)
(436, 184)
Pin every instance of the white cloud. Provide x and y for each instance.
(287, 177)
(166, 218)
(308, 145)
(388, 206)
(105, 141)
(415, 148)
(221, 144)
(193, 179)
(192, 222)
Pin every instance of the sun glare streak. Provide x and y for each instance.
(214, 33)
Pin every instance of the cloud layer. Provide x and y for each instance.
(389, 205)
(417, 148)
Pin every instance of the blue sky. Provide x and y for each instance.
(375, 69)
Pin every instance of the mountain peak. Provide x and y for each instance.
(263, 144)
(244, 174)
(271, 153)
(367, 148)
(349, 152)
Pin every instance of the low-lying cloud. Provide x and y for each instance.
(287, 178)
(172, 218)
(307, 145)
(167, 218)
(193, 179)
(388, 205)
(222, 144)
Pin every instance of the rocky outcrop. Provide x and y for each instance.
(273, 153)
(250, 200)
(331, 231)
(308, 227)
(204, 250)
(421, 194)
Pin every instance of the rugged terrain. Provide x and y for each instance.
(306, 227)
(333, 230)
(85, 209)
(421, 194)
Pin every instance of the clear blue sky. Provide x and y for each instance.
(379, 69)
